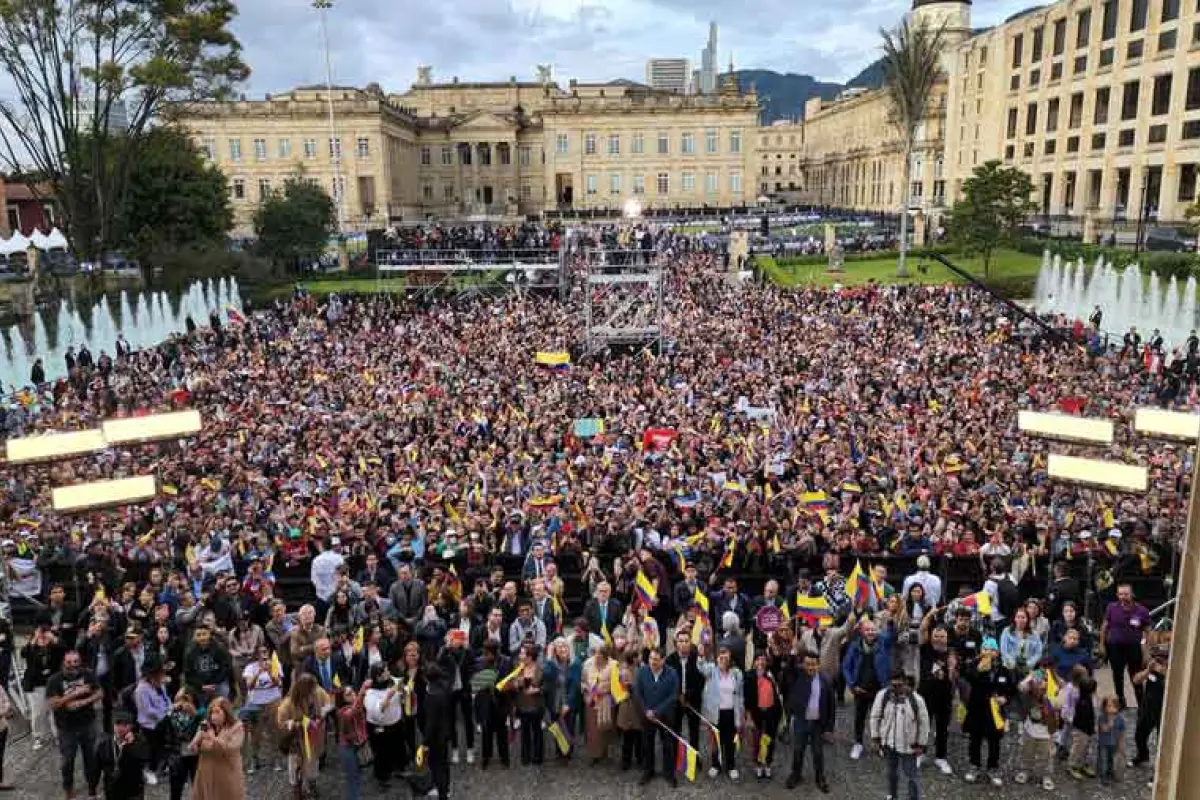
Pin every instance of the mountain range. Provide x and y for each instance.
(783, 95)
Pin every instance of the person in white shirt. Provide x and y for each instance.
(900, 730)
(384, 714)
(324, 574)
(263, 693)
(931, 583)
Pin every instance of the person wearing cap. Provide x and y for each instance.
(992, 685)
(152, 704)
(931, 583)
(899, 727)
(121, 758)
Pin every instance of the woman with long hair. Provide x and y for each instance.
(598, 704)
(218, 744)
(412, 698)
(340, 613)
(530, 704)
(301, 718)
(351, 736)
(376, 650)
(722, 706)
(562, 676)
(629, 712)
(1020, 648)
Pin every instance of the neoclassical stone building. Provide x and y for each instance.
(452, 150)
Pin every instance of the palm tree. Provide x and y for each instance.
(912, 66)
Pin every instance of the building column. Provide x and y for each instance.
(1168, 193)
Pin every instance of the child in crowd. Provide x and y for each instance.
(1110, 737)
(1079, 709)
(1039, 722)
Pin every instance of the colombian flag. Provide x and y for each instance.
(981, 601)
(858, 586)
(685, 761)
(559, 361)
(647, 592)
(814, 611)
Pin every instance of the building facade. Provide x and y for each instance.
(455, 150)
(780, 161)
(1097, 100)
(669, 74)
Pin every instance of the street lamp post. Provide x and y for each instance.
(1137, 245)
(335, 149)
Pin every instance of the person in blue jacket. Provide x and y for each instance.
(562, 677)
(656, 688)
(866, 668)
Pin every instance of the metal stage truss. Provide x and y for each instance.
(470, 272)
(623, 303)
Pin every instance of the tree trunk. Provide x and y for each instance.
(902, 265)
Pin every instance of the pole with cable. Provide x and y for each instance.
(335, 149)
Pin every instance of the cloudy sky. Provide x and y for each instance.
(385, 41)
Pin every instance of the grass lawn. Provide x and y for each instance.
(1007, 265)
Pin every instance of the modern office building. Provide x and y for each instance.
(706, 82)
(669, 74)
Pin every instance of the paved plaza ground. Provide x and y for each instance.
(36, 776)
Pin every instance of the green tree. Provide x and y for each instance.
(995, 201)
(294, 222)
(85, 72)
(175, 199)
(911, 68)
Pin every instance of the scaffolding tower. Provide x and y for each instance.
(623, 302)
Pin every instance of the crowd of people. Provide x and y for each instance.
(400, 449)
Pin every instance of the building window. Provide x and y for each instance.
(710, 141)
(1170, 10)
(664, 143)
(1029, 149)
(1137, 15)
(664, 183)
(1018, 50)
(735, 141)
(589, 144)
(614, 183)
(1076, 118)
(239, 189)
(1160, 102)
(917, 190)
(260, 149)
(1009, 151)
(710, 183)
(687, 182)
(1080, 65)
(526, 192)
(335, 148)
(614, 144)
(209, 148)
(426, 158)
(590, 182)
(1051, 146)
(1083, 29)
(1134, 50)
(1052, 116)
(285, 148)
(561, 144)
(1129, 100)
(464, 155)
(735, 182)
(1157, 134)
(1031, 119)
(639, 184)
(1167, 40)
(639, 143)
(264, 188)
(448, 192)
(1125, 138)
(1035, 77)
(1056, 70)
(1106, 57)
(1108, 23)
(235, 149)
(1191, 129)
(1187, 183)
(1036, 51)
(1073, 144)
(1014, 83)
(1060, 37)
(687, 144)
(427, 192)
(310, 148)
(1011, 132)
(447, 155)
(523, 155)
(1097, 141)
(1100, 112)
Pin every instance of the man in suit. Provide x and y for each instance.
(812, 707)
(685, 662)
(656, 688)
(535, 564)
(376, 573)
(329, 667)
(543, 608)
(492, 630)
(127, 663)
(408, 596)
(729, 599)
(602, 612)
(684, 593)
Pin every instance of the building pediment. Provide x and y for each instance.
(486, 121)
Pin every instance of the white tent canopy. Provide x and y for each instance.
(17, 244)
(42, 241)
